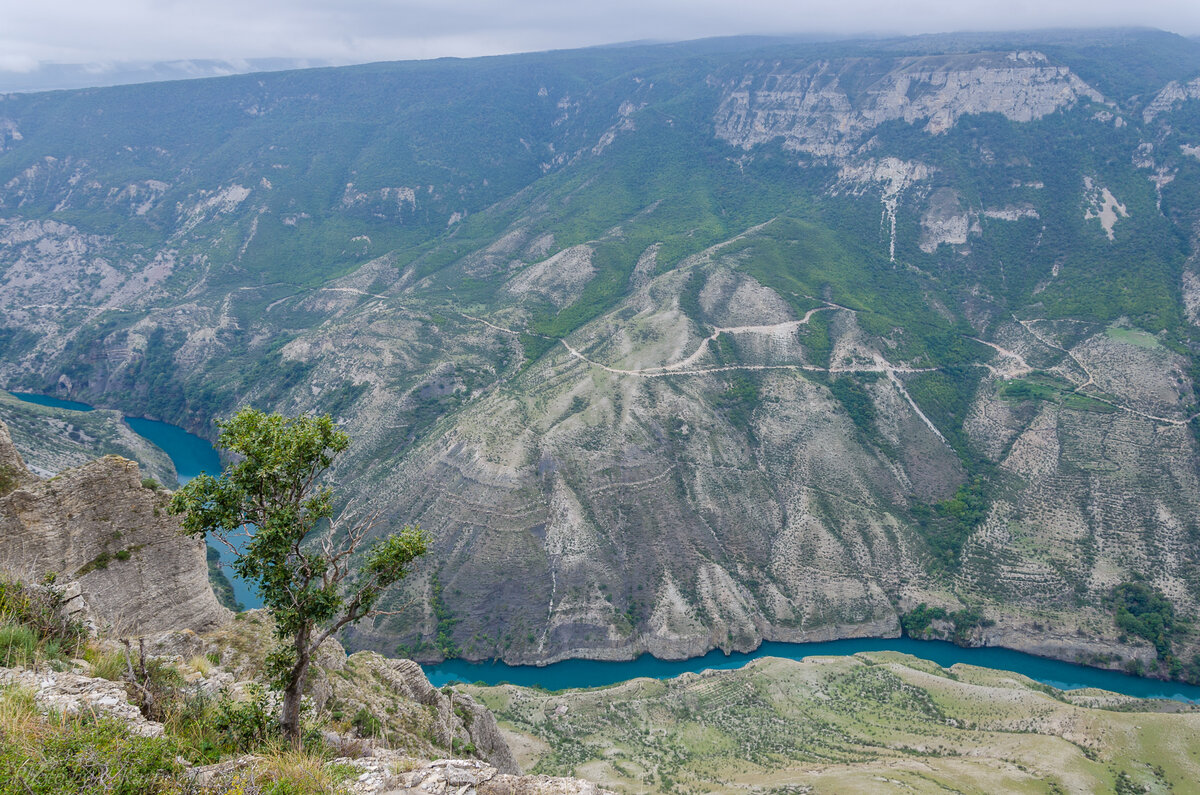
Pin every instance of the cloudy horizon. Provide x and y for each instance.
(97, 40)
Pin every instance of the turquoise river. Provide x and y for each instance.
(192, 455)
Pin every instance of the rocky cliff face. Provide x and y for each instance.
(97, 525)
(829, 108)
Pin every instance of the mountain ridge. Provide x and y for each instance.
(651, 390)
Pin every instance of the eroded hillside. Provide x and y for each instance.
(671, 348)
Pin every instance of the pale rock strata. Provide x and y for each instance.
(1172, 95)
(98, 525)
(829, 107)
(72, 694)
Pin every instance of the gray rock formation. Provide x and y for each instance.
(408, 712)
(69, 693)
(827, 108)
(96, 524)
(469, 777)
(398, 692)
(13, 472)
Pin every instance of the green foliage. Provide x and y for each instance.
(273, 488)
(87, 757)
(245, 724)
(689, 297)
(535, 347)
(1190, 671)
(106, 663)
(739, 400)
(917, 623)
(949, 523)
(614, 263)
(33, 625)
(445, 619)
(101, 561)
(1042, 386)
(945, 397)
(853, 396)
(1144, 611)
(366, 724)
(18, 645)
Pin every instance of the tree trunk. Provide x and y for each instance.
(289, 720)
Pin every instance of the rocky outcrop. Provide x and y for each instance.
(98, 525)
(69, 693)
(384, 772)
(381, 770)
(13, 472)
(1171, 96)
(407, 713)
(477, 778)
(449, 719)
(829, 107)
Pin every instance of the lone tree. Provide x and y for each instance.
(271, 496)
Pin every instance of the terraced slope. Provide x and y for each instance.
(673, 347)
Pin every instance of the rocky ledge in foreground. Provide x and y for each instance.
(99, 527)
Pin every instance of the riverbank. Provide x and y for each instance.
(192, 454)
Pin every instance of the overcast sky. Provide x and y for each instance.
(34, 32)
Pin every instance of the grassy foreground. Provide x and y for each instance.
(874, 722)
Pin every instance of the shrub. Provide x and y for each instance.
(366, 724)
(1142, 610)
(18, 645)
(248, 723)
(37, 610)
(54, 755)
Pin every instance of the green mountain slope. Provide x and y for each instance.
(671, 347)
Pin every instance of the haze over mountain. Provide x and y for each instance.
(67, 43)
(59, 76)
(672, 346)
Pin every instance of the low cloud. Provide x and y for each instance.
(72, 31)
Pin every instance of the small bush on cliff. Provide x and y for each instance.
(33, 626)
(312, 590)
(918, 622)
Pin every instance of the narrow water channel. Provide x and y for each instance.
(190, 454)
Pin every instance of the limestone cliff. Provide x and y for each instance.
(98, 525)
(407, 713)
(829, 107)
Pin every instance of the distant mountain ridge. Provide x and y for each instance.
(68, 76)
(671, 347)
